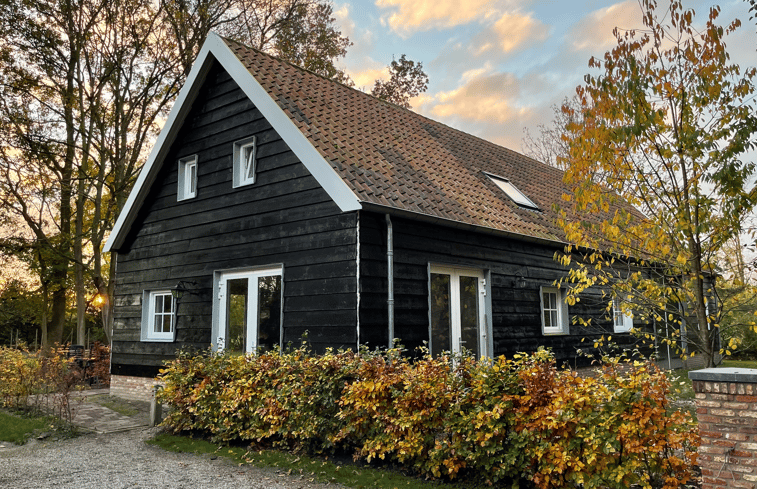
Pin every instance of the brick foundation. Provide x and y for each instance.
(727, 411)
(132, 388)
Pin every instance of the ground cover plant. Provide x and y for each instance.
(314, 469)
(497, 422)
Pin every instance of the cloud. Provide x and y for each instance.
(408, 16)
(365, 78)
(490, 97)
(344, 21)
(513, 30)
(594, 32)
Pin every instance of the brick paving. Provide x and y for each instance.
(91, 416)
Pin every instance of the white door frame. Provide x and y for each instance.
(220, 281)
(455, 273)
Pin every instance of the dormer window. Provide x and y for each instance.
(187, 187)
(513, 192)
(244, 162)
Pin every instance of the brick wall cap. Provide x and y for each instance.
(741, 375)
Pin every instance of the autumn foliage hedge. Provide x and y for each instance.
(497, 421)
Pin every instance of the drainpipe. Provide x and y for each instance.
(390, 278)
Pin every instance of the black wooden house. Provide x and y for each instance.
(278, 203)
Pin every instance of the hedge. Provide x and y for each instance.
(496, 421)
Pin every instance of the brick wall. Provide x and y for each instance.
(727, 412)
(133, 388)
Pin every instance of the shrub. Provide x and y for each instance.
(285, 399)
(498, 420)
(37, 382)
(396, 409)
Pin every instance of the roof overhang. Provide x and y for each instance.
(216, 49)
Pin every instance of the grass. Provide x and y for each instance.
(313, 469)
(739, 363)
(121, 406)
(18, 429)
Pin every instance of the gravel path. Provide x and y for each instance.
(120, 460)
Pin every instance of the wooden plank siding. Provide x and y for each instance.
(284, 218)
(516, 306)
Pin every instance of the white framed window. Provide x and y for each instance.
(554, 311)
(245, 163)
(457, 311)
(158, 315)
(622, 322)
(187, 178)
(247, 309)
(513, 192)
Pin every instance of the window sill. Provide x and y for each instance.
(157, 340)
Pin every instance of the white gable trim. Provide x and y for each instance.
(216, 49)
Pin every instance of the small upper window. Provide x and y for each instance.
(244, 162)
(554, 311)
(622, 321)
(187, 178)
(513, 192)
(158, 318)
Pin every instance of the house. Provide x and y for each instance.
(277, 203)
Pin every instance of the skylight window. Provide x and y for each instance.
(513, 192)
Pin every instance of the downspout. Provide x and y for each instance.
(390, 279)
(357, 278)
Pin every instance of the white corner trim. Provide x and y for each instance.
(215, 48)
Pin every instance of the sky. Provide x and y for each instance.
(497, 67)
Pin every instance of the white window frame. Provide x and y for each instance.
(187, 185)
(245, 162)
(563, 319)
(622, 322)
(485, 340)
(148, 316)
(220, 312)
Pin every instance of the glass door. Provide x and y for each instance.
(249, 310)
(457, 313)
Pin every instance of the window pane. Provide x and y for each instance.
(236, 339)
(555, 322)
(469, 314)
(249, 159)
(166, 323)
(158, 304)
(192, 178)
(440, 313)
(269, 312)
(547, 319)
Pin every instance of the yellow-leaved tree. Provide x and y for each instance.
(660, 172)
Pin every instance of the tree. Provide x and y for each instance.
(666, 126)
(83, 82)
(737, 293)
(309, 39)
(407, 80)
(302, 32)
(550, 146)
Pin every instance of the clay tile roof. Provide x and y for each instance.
(393, 157)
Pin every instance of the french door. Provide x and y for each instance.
(248, 305)
(457, 311)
